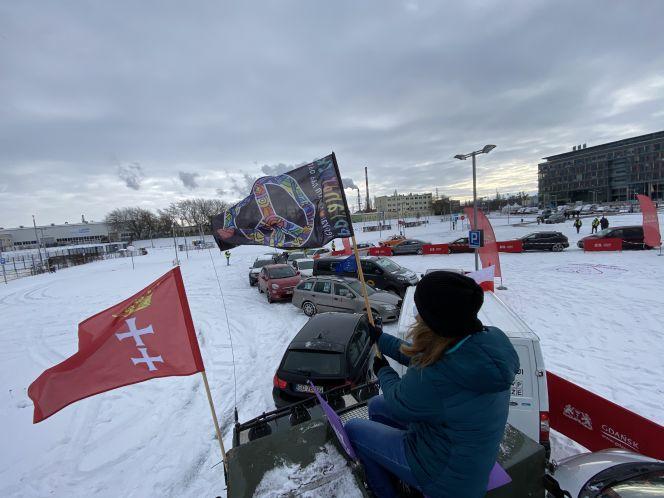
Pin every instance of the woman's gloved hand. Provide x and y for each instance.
(378, 363)
(375, 331)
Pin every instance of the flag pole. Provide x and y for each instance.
(365, 295)
(216, 422)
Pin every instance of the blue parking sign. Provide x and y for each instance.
(2, 261)
(475, 239)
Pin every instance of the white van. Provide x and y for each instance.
(529, 403)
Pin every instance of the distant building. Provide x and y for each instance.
(411, 203)
(57, 235)
(615, 171)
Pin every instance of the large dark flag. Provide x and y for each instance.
(305, 207)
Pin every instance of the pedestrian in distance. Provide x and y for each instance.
(333, 247)
(604, 222)
(228, 258)
(438, 427)
(577, 224)
(595, 225)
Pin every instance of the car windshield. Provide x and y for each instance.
(295, 255)
(357, 287)
(604, 233)
(642, 486)
(281, 272)
(313, 362)
(388, 264)
(262, 262)
(305, 265)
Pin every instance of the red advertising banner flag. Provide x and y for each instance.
(612, 244)
(435, 249)
(149, 335)
(488, 253)
(597, 423)
(510, 246)
(651, 234)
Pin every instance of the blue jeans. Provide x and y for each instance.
(380, 446)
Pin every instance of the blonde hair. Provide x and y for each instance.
(426, 346)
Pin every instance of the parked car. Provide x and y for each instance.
(363, 247)
(305, 266)
(632, 237)
(544, 241)
(555, 218)
(319, 251)
(293, 255)
(460, 245)
(331, 350)
(379, 272)
(392, 241)
(529, 401)
(278, 281)
(329, 293)
(408, 246)
(255, 269)
(608, 473)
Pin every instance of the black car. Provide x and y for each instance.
(408, 246)
(381, 273)
(545, 241)
(632, 237)
(331, 350)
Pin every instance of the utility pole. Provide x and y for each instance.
(34, 224)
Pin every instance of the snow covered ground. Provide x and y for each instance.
(600, 317)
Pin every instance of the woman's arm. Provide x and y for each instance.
(390, 346)
(409, 397)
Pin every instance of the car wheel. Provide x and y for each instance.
(309, 308)
(269, 297)
(419, 251)
(557, 247)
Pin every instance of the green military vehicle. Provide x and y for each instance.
(293, 451)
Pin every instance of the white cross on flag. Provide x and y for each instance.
(149, 335)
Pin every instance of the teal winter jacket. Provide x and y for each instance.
(456, 410)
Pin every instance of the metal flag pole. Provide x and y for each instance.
(360, 274)
(175, 246)
(216, 422)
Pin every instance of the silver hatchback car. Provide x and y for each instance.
(330, 293)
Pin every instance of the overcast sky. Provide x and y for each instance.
(125, 103)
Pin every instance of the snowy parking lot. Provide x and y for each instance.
(600, 317)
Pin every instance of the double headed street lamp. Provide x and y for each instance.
(484, 150)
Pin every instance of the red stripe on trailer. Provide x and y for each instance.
(597, 423)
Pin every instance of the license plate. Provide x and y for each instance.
(306, 388)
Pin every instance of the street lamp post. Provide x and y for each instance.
(484, 150)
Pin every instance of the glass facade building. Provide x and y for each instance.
(615, 171)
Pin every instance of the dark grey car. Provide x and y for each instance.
(329, 293)
(408, 246)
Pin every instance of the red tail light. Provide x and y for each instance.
(545, 427)
(278, 383)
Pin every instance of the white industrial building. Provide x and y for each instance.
(410, 203)
(55, 235)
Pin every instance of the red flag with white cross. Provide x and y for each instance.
(149, 335)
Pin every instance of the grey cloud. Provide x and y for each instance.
(349, 183)
(220, 192)
(276, 169)
(400, 87)
(188, 179)
(132, 174)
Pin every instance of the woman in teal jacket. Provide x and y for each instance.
(439, 426)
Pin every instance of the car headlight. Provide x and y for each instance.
(389, 307)
(275, 286)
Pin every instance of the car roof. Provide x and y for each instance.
(280, 265)
(339, 258)
(326, 331)
(626, 226)
(334, 278)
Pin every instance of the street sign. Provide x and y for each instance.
(476, 239)
(2, 261)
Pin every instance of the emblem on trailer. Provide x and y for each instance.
(578, 416)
